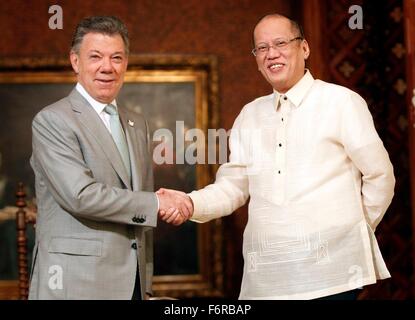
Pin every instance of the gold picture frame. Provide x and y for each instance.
(174, 72)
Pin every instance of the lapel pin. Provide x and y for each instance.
(131, 123)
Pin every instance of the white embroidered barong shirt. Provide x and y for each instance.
(319, 181)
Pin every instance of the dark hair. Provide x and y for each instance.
(108, 25)
(294, 25)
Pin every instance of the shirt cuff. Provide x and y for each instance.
(199, 209)
(158, 202)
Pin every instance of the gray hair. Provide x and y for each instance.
(108, 25)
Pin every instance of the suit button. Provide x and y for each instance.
(134, 246)
(134, 219)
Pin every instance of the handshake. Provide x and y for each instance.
(175, 207)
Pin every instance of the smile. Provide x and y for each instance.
(276, 66)
(104, 81)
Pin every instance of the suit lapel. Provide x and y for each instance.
(133, 148)
(94, 125)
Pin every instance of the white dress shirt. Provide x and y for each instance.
(98, 106)
(319, 181)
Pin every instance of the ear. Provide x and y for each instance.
(306, 49)
(74, 61)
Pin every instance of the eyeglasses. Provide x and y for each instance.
(279, 43)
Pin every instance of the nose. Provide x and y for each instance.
(273, 52)
(106, 65)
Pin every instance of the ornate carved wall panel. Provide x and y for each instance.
(371, 61)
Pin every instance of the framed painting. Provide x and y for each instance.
(174, 93)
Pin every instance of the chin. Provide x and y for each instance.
(104, 99)
(277, 78)
(107, 96)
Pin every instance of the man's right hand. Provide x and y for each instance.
(176, 207)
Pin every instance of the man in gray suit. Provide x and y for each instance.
(94, 181)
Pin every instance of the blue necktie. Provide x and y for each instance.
(118, 136)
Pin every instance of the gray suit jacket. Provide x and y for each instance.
(89, 213)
